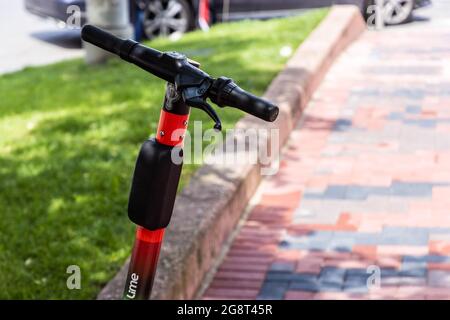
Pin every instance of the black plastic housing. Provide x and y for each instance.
(154, 186)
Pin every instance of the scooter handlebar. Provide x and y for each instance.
(171, 65)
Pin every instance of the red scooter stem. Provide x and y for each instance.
(143, 263)
(145, 254)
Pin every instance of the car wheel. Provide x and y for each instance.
(397, 11)
(167, 17)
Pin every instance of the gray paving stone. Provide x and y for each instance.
(413, 269)
(402, 281)
(349, 239)
(410, 92)
(426, 258)
(395, 116)
(320, 215)
(334, 138)
(404, 70)
(317, 240)
(389, 272)
(405, 231)
(282, 266)
(380, 191)
(332, 275)
(356, 284)
(335, 192)
(341, 244)
(311, 195)
(368, 238)
(357, 277)
(438, 230)
(311, 285)
(356, 193)
(330, 287)
(414, 109)
(439, 278)
(424, 123)
(382, 204)
(404, 236)
(273, 290)
(411, 189)
(332, 208)
(416, 272)
(289, 276)
(356, 272)
(342, 125)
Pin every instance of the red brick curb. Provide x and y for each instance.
(208, 209)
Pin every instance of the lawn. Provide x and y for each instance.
(69, 135)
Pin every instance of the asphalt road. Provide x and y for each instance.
(29, 40)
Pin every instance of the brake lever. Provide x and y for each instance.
(195, 96)
(200, 103)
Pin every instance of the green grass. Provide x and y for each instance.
(69, 135)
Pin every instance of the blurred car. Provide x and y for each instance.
(164, 17)
(398, 11)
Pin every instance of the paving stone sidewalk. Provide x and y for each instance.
(364, 184)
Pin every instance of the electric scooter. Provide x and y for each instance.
(156, 176)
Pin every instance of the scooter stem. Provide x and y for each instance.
(155, 183)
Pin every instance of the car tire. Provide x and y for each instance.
(166, 18)
(396, 11)
(400, 11)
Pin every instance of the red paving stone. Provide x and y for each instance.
(298, 295)
(236, 293)
(311, 265)
(240, 275)
(363, 189)
(248, 284)
(338, 296)
(365, 251)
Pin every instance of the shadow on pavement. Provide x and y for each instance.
(69, 39)
(419, 18)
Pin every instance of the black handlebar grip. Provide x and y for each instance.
(107, 41)
(225, 92)
(101, 39)
(252, 104)
(146, 58)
